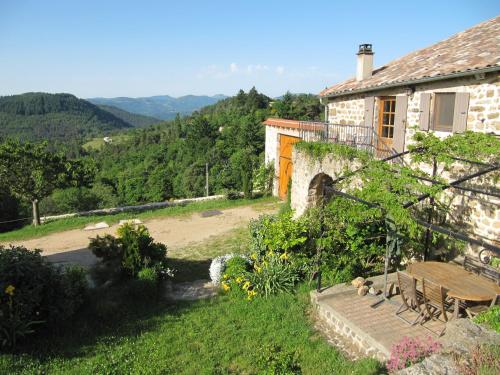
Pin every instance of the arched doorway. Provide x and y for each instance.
(320, 188)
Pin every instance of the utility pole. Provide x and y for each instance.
(206, 178)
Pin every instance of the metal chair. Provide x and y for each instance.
(435, 304)
(411, 297)
(472, 311)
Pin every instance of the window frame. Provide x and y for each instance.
(448, 128)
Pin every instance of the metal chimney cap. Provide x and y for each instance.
(365, 49)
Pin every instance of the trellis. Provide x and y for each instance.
(456, 184)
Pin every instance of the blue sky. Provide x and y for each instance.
(142, 48)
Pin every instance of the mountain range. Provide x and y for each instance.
(163, 107)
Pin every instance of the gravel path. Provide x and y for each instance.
(176, 232)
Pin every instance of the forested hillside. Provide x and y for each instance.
(138, 121)
(60, 118)
(164, 107)
(168, 160)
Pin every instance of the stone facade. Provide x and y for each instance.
(476, 214)
(483, 114)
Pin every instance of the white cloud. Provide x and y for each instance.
(233, 67)
(280, 70)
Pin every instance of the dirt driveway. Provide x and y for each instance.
(175, 232)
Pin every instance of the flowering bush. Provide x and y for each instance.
(133, 250)
(218, 266)
(409, 351)
(33, 293)
(484, 359)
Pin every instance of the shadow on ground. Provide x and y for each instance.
(112, 313)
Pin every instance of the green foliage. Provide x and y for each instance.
(264, 178)
(319, 150)
(351, 239)
(277, 233)
(476, 146)
(277, 361)
(305, 107)
(490, 318)
(60, 118)
(236, 266)
(32, 173)
(273, 273)
(115, 334)
(132, 251)
(34, 293)
(134, 119)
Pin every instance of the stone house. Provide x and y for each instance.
(451, 86)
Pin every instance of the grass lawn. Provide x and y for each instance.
(123, 332)
(125, 329)
(59, 225)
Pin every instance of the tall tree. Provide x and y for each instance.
(32, 173)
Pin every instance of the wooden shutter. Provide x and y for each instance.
(460, 114)
(369, 104)
(425, 107)
(398, 142)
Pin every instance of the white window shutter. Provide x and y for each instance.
(398, 142)
(369, 104)
(425, 108)
(461, 110)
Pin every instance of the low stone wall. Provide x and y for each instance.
(364, 343)
(305, 169)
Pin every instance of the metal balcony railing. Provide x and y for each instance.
(358, 136)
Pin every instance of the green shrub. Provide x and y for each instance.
(148, 275)
(133, 250)
(34, 293)
(276, 361)
(277, 233)
(273, 274)
(236, 266)
(490, 318)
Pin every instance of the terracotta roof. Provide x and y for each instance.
(472, 50)
(282, 123)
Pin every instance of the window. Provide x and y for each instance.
(387, 115)
(444, 109)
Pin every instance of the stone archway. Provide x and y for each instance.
(319, 189)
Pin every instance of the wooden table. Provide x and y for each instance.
(462, 285)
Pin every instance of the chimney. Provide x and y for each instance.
(365, 62)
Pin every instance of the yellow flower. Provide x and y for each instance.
(251, 294)
(246, 285)
(225, 287)
(284, 256)
(225, 277)
(257, 268)
(10, 290)
(239, 279)
(253, 256)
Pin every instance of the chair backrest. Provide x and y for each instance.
(407, 285)
(434, 293)
(490, 273)
(481, 269)
(472, 265)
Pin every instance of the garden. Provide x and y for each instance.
(261, 320)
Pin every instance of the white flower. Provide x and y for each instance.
(218, 266)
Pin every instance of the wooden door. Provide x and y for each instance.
(286, 166)
(386, 117)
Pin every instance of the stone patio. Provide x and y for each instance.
(373, 330)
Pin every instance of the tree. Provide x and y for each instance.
(32, 173)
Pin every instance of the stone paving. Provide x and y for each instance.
(190, 291)
(373, 330)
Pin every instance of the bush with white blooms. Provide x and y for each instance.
(218, 266)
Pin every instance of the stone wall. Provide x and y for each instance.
(305, 169)
(350, 111)
(484, 104)
(476, 214)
